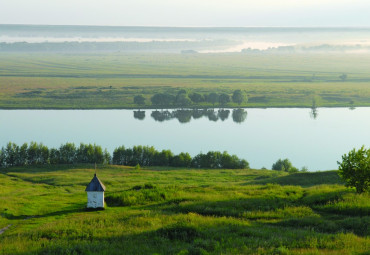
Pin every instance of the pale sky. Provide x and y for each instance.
(220, 13)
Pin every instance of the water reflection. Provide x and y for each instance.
(314, 113)
(185, 115)
(162, 115)
(223, 114)
(140, 115)
(239, 115)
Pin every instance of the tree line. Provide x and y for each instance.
(149, 156)
(183, 99)
(39, 154)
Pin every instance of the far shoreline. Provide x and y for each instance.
(183, 108)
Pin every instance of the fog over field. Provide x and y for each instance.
(15, 38)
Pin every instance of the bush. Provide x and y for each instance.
(355, 169)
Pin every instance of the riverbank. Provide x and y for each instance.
(150, 107)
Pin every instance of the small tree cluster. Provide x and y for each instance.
(39, 154)
(183, 99)
(149, 156)
(216, 159)
(284, 165)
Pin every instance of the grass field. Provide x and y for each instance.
(85, 81)
(175, 211)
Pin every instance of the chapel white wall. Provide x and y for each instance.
(95, 199)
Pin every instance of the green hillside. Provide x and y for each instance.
(176, 211)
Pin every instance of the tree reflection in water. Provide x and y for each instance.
(314, 112)
(239, 115)
(185, 115)
(161, 115)
(140, 115)
(212, 115)
(223, 114)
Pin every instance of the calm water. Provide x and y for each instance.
(262, 136)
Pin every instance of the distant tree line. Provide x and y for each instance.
(69, 153)
(183, 99)
(149, 156)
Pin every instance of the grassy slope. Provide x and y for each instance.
(112, 80)
(181, 212)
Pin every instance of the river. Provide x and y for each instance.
(315, 140)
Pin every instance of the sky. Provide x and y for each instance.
(192, 13)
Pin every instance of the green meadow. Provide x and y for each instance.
(111, 80)
(180, 211)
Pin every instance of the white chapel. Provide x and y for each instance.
(95, 193)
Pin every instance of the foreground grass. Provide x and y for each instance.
(161, 211)
(112, 80)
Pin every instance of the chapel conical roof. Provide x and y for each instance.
(95, 185)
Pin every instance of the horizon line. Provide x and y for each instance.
(152, 26)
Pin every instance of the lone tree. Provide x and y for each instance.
(139, 100)
(239, 97)
(343, 77)
(355, 169)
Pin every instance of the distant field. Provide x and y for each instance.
(112, 80)
(175, 211)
